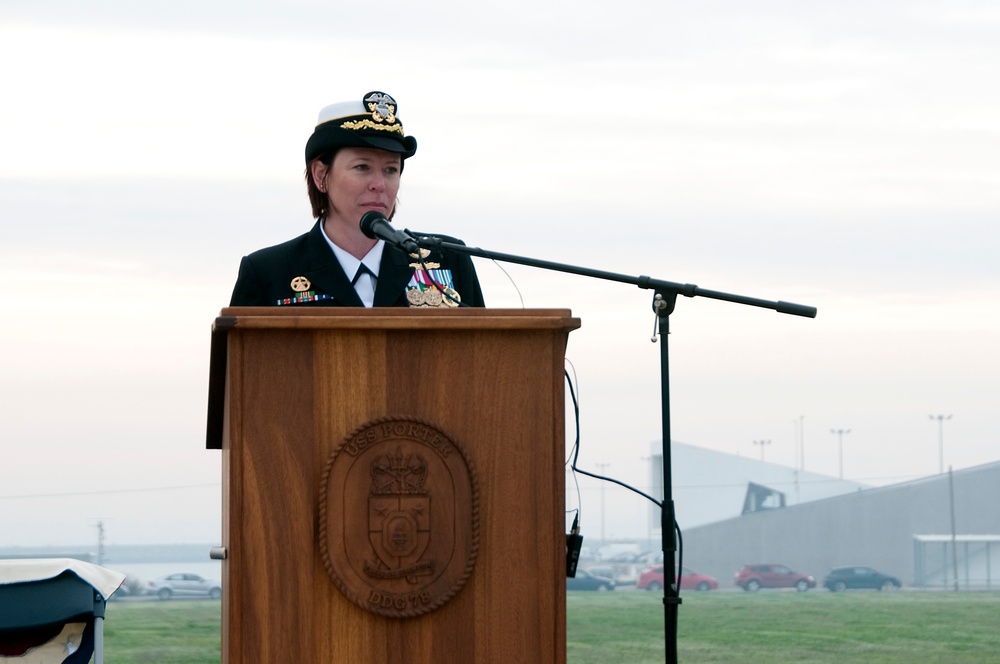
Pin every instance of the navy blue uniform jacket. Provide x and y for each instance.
(266, 275)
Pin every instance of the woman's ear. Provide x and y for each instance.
(319, 171)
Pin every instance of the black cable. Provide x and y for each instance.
(576, 453)
(680, 555)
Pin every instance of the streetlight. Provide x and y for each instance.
(762, 443)
(940, 419)
(802, 442)
(840, 434)
(601, 467)
(798, 426)
(655, 490)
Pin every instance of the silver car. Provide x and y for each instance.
(183, 584)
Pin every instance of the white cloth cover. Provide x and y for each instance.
(103, 580)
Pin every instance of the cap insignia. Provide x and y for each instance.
(382, 107)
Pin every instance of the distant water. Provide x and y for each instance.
(210, 569)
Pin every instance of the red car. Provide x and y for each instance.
(754, 577)
(652, 579)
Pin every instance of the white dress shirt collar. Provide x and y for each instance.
(366, 283)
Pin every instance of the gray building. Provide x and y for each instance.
(940, 531)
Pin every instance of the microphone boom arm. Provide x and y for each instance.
(687, 290)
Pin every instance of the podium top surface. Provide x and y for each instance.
(235, 319)
(393, 318)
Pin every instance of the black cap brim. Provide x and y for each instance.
(329, 136)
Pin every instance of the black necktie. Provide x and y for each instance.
(366, 289)
(362, 269)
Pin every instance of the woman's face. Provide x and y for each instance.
(359, 180)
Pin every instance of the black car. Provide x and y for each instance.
(856, 576)
(584, 580)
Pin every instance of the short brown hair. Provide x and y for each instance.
(317, 198)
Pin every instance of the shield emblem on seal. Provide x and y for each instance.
(399, 531)
(399, 517)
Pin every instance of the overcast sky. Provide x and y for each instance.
(844, 156)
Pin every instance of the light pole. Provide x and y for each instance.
(762, 443)
(802, 442)
(601, 467)
(653, 511)
(840, 435)
(100, 542)
(940, 419)
(798, 426)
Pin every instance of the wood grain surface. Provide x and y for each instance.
(298, 383)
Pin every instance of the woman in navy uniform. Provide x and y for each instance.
(354, 160)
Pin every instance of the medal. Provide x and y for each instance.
(432, 287)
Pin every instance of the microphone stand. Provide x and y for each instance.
(664, 300)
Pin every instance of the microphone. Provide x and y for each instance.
(375, 225)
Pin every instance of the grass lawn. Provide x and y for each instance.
(172, 632)
(785, 627)
(627, 627)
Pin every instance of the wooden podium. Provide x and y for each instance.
(325, 418)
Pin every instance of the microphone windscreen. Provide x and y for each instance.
(368, 221)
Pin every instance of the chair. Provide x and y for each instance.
(52, 610)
